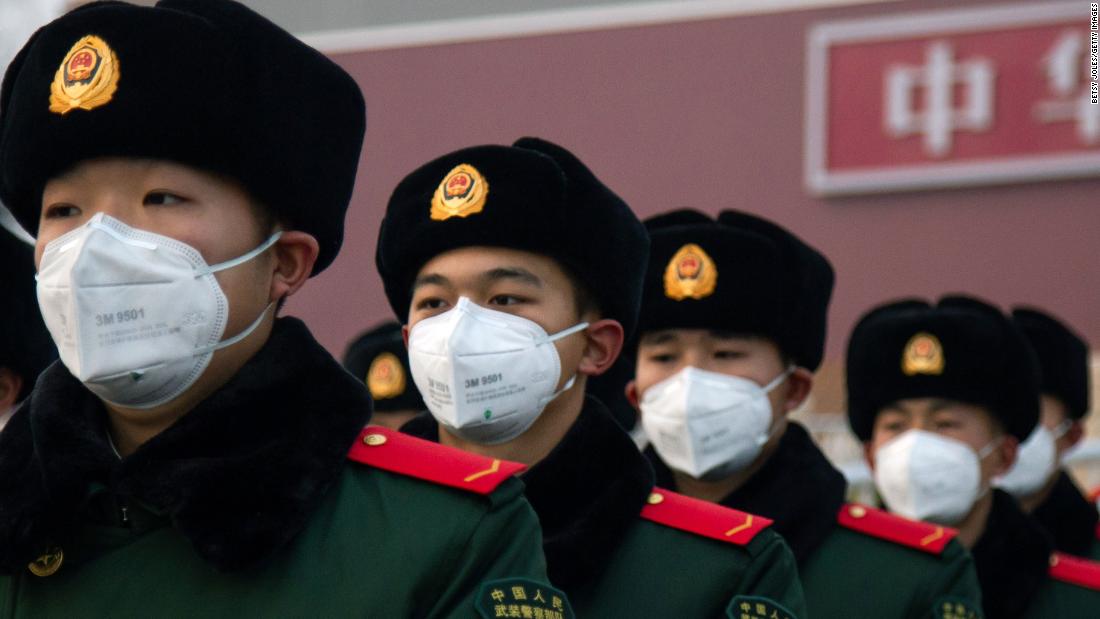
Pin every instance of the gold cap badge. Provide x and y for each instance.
(386, 377)
(690, 274)
(86, 79)
(923, 355)
(461, 194)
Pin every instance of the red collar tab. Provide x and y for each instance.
(702, 518)
(407, 455)
(931, 538)
(1075, 570)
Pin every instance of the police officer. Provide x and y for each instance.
(1037, 480)
(520, 272)
(942, 395)
(378, 357)
(186, 167)
(732, 327)
(25, 346)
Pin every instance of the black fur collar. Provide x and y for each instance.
(797, 488)
(586, 492)
(1068, 517)
(239, 475)
(1011, 558)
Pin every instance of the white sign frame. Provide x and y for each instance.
(820, 181)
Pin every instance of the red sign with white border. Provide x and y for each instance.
(952, 98)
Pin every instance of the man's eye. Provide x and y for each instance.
(162, 198)
(728, 354)
(505, 299)
(894, 426)
(430, 303)
(664, 357)
(59, 211)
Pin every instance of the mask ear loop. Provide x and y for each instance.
(1061, 429)
(983, 453)
(577, 328)
(773, 427)
(229, 264)
(768, 388)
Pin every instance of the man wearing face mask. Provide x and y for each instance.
(25, 345)
(186, 168)
(731, 328)
(941, 395)
(1037, 480)
(520, 272)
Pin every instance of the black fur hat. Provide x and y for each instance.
(740, 274)
(533, 196)
(206, 83)
(1063, 358)
(961, 349)
(379, 359)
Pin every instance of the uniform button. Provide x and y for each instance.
(48, 563)
(655, 498)
(374, 440)
(856, 511)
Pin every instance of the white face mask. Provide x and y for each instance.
(136, 316)
(1036, 461)
(485, 375)
(925, 476)
(708, 425)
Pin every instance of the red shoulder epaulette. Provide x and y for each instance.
(1075, 570)
(931, 538)
(407, 455)
(702, 518)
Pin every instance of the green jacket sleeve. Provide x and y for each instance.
(955, 589)
(505, 545)
(772, 575)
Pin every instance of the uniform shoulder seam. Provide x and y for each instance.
(923, 536)
(681, 512)
(400, 453)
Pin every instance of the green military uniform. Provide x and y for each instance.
(892, 567)
(965, 350)
(853, 561)
(1070, 519)
(262, 517)
(621, 548)
(247, 504)
(1063, 355)
(614, 544)
(1014, 558)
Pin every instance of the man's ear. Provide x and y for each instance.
(10, 386)
(869, 454)
(604, 343)
(1073, 435)
(801, 381)
(295, 254)
(405, 335)
(1007, 450)
(631, 391)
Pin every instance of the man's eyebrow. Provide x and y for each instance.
(658, 337)
(939, 404)
(511, 273)
(431, 278)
